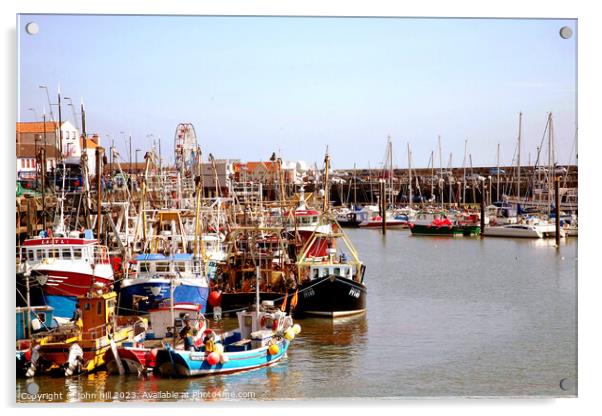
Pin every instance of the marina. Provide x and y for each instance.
(324, 222)
(481, 311)
(155, 293)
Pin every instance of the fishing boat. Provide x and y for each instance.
(330, 285)
(32, 320)
(66, 265)
(437, 224)
(140, 357)
(153, 278)
(81, 346)
(262, 339)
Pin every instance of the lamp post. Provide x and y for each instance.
(44, 87)
(35, 114)
(75, 119)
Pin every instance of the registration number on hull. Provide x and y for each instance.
(354, 292)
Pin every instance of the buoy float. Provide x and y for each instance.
(213, 358)
(296, 329)
(218, 348)
(215, 298)
(289, 334)
(273, 349)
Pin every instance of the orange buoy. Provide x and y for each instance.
(215, 298)
(213, 358)
(274, 349)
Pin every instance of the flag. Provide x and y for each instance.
(294, 300)
(283, 307)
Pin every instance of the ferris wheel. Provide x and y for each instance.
(185, 146)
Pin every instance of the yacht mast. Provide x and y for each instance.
(464, 173)
(410, 175)
(520, 124)
(440, 170)
(498, 173)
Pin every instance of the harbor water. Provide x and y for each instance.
(445, 317)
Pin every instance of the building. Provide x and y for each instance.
(30, 139)
(224, 170)
(32, 132)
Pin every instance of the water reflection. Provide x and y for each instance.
(464, 316)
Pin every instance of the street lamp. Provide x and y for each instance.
(44, 87)
(75, 119)
(35, 114)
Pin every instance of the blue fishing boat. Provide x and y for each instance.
(262, 339)
(156, 275)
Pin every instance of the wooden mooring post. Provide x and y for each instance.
(483, 198)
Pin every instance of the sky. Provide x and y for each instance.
(295, 85)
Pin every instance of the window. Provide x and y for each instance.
(66, 253)
(54, 253)
(87, 306)
(77, 253)
(316, 273)
(180, 266)
(30, 255)
(42, 317)
(162, 267)
(145, 267)
(98, 308)
(337, 271)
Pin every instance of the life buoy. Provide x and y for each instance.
(275, 325)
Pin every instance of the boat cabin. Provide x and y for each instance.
(342, 270)
(50, 249)
(41, 318)
(159, 265)
(96, 312)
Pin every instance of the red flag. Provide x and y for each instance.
(294, 300)
(283, 307)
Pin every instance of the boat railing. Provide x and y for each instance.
(100, 255)
(95, 332)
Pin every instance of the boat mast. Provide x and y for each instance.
(354, 187)
(520, 124)
(474, 198)
(410, 175)
(390, 172)
(258, 272)
(326, 190)
(498, 173)
(550, 159)
(370, 180)
(464, 173)
(440, 171)
(449, 178)
(432, 174)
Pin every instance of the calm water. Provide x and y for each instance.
(446, 317)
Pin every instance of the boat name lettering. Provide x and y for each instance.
(354, 292)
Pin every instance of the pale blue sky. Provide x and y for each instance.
(253, 85)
